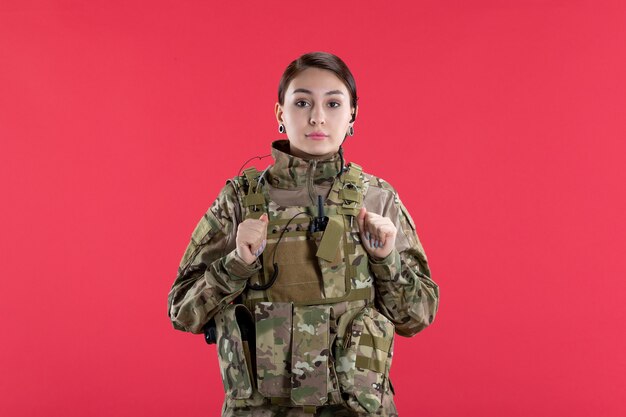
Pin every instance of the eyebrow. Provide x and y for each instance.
(304, 90)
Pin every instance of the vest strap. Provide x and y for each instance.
(253, 201)
(354, 172)
(252, 175)
(355, 294)
(352, 192)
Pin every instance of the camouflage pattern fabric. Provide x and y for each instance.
(356, 354)
(230, 409)
(363, 353)
(234, 367)
(309, 368)
(273, 348)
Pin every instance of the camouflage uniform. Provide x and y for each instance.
(322, 345)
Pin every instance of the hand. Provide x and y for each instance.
(251, 238)
(378, 233)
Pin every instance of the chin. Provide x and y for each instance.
(309, 150)
(322, 152)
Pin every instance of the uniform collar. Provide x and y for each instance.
(290, 171)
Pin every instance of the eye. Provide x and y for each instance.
(301, 103)
(334, 104)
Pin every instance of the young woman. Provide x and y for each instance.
(303, 272)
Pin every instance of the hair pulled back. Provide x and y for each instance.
(321, 60)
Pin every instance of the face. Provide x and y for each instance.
(316, 113)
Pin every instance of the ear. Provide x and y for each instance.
(278, 109)
(355, 112)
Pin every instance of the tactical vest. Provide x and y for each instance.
(314, 337)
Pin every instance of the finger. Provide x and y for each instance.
(380, 239)
(258, 249)
(389, 236)
(261, 248)
(265, 219)
(381, 227)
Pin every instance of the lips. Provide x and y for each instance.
(317, 135)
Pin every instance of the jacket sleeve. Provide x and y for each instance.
(211, 274)
(405, 293)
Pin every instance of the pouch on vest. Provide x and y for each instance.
(233, 326)
(363, 354)
(273, 348)
(304, 276)
(332, 258)
(310, 355)
(299, 278)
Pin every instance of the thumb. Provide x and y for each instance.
(264, 218)
(360, 219)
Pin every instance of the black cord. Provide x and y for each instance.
(259, 287)
(246, 163)
(343, 162)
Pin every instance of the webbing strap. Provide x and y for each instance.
(351, 248)
(366, 293)
(355, 294)
(253, 200)
(351, 271)
(251, 174)
(352, 192)
(364, 362)
(376, 342)
(354, 172)
(351, 195)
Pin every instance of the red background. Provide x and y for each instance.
(501, 124)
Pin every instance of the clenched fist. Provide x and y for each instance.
(378, 233)
(251, 238)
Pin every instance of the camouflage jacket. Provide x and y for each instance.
(211, 275)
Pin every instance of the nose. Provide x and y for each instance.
(317, 116)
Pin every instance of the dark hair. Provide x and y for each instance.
(322, 60)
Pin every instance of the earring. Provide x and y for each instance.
(350, 131)
(281, 128)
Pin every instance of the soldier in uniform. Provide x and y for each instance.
(301, 274)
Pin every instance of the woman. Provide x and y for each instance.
(303, 272)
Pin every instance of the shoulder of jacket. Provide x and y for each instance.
(220, 214)
(378, 183)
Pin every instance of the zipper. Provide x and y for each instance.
(312, 196)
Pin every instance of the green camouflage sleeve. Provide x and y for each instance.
(211, 274)
(405, 293)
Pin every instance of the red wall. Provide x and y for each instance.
(501, 123)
